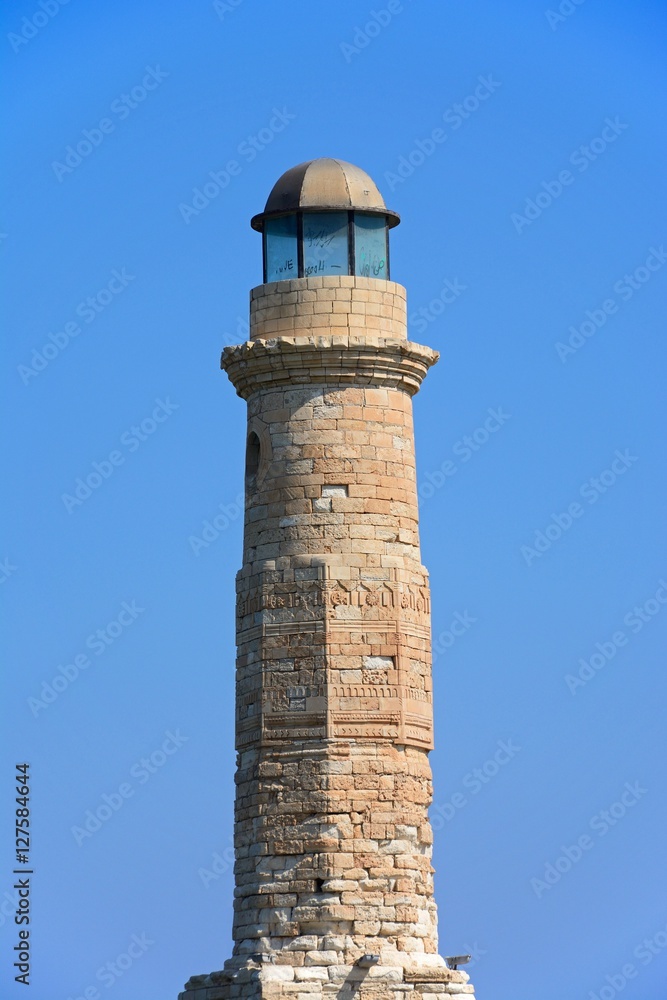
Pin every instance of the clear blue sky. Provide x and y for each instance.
(536, 203)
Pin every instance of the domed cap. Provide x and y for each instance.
(324, 185)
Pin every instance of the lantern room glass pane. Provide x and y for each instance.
(370, 246)
(325, 248)
(281, 253)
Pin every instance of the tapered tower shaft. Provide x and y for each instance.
(334, 701)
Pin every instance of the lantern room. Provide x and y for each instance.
(325, 217)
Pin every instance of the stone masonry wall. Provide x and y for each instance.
(307, 307)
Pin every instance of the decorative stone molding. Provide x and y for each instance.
(340, 359)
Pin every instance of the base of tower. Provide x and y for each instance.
(266, 981)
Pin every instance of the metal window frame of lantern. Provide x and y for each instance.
(315, 243)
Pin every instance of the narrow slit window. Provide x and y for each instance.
(252, 456)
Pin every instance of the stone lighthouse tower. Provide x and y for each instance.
(334, 704)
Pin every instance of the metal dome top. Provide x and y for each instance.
(324, 185)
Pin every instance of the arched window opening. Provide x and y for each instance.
(252, 456)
